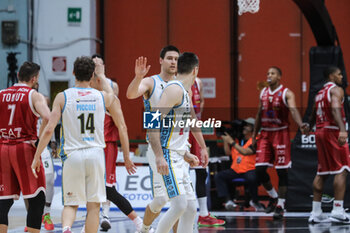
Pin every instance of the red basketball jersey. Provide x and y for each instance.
(324, 117)
(110, 130)
(196, 99)
(274, 114)
(18, 119)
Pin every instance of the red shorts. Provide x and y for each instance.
(195, 148)
(111, 153)
(16, 174)
(332, 158)
(274, 149)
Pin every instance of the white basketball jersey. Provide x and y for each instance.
(158, 87)
(174, 131)
(82, 119)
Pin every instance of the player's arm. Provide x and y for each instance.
(197, 134)
(48, 131)
(337, 95)
(290, 98)
(40, 106)
(100, 73)
(114, 108)
(139, 85)
(170, 97)
(257, 125)
(200, 83)
(115, 88)
(312, 118)
(228, 140)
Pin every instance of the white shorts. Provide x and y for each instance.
(178, 182)
(47, 161)
(83, 177)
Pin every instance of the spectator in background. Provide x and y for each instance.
(243, 166)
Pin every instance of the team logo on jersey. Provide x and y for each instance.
(80, 93)
(151, 120)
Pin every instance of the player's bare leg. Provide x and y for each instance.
(339, 185)
(149, 217)
(68, 217)
(92, 217)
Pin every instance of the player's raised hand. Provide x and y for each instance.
(191, 159)
(141, 67)
(99, 67)
(130, 166)
(162, 166)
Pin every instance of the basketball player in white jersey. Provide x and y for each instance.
(171, 147)
(150, 88)
(82, 141)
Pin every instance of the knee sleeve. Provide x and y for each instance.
(157, 204)
(261, 174)
(187, 219)
(282, 177)
(50, 180)
(191, 206)
(5, 206)
(201, 177)
(35, 210)
(121, 202)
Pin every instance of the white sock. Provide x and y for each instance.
(47, 209)
(272, 193)
(66, 228)
(281, 202)
(203, 207)
(145, 228)
(138, 222)
(316, 207)
(105, 208)
(338, 205)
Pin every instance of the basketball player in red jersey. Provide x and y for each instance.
(332, 146)
(273, 148)
(20, 108)
(205, 218)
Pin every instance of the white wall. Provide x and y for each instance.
(52, 29)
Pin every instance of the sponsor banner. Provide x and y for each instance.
(135, 188)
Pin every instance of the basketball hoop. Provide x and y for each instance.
(251, 6)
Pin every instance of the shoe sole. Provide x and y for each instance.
(316, 222)
(208, 225)
(105, 226)
(277, 217)
(337, 221)
(269, 211)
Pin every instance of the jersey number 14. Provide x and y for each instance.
(89, 125)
